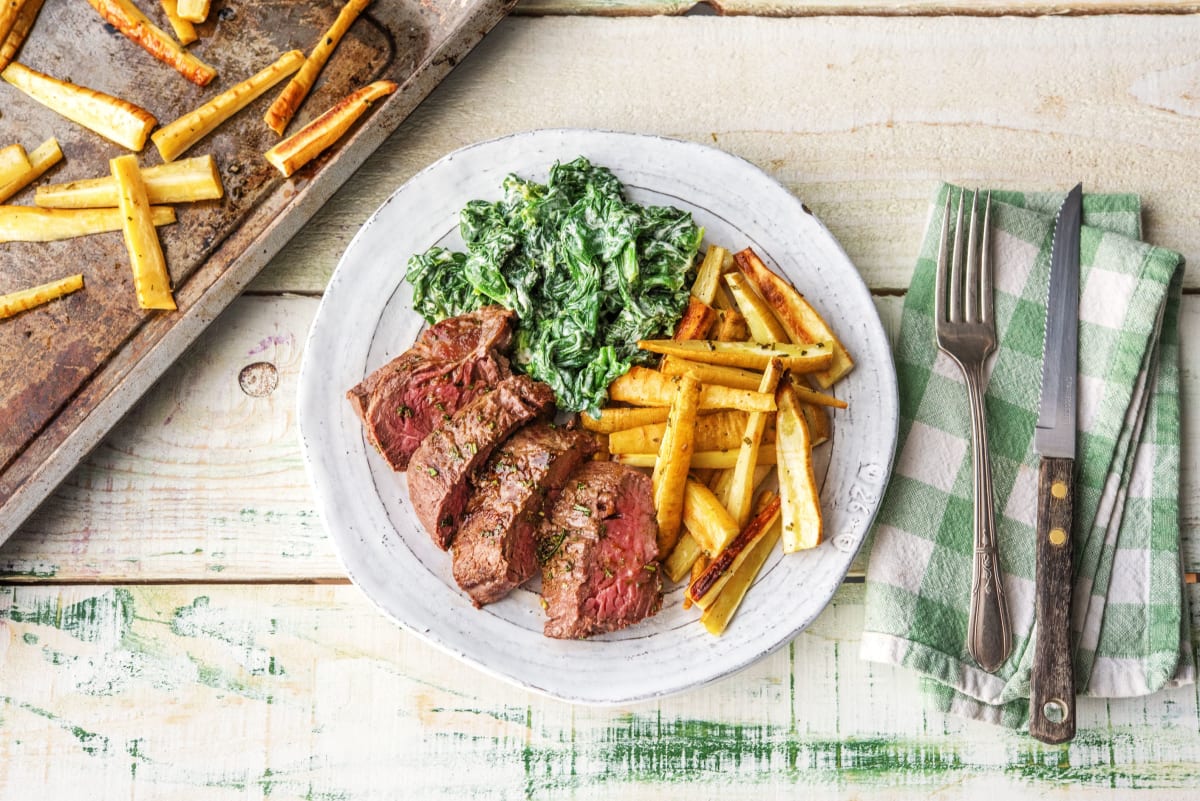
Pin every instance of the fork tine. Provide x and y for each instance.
(971, 295)
(986, 266)
(943, 264)
(956, 299)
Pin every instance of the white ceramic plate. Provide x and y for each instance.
(366, 319)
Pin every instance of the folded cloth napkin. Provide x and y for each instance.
(1129, 614)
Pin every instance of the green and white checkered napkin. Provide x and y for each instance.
(1129, 612)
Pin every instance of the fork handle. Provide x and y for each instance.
(989, 632)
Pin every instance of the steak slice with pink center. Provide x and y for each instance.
(450, 364)
(599, 551)
(439, 473)
(495, 549)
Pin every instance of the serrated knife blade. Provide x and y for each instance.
(1052, 685)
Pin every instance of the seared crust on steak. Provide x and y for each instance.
(450, 364)
(495, 549)
(440, 470)
(599, 548)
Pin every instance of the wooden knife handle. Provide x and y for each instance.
(1052, 687)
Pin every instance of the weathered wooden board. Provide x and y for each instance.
(860, 117)
(213, 692)
(69, 369)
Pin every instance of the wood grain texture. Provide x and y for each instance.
(216, 692)
(857, 115)
(1053, 680)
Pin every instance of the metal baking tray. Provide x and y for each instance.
(69, 370)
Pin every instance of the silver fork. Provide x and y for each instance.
(966, 332)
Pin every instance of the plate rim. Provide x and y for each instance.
(427, 634)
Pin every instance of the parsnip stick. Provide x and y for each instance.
(150, 277)
(13, 163)
(701, 460)
(174, 138)
(10, 10)
(31, 224)
(301, 147)
(11, 42)
(670, 470)
(125, 17)
(285, 106)
(181, 181)
(113, 118)
(41, 158)
(25, 299)
(194, 10)
(185, 31)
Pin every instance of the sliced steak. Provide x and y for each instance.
(495, 549)
(439, 473)
(451, 364)
(599, 550)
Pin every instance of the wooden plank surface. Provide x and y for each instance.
(143, 654)
(218, 692)
(181, 475)
(858, 116)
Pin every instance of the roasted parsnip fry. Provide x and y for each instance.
(740, 496)
(175, 137)
(10, 10)
(682, 557)
(185, 31)
(804, 325)
(731, 325)
(41, 158)
(701, 460)
(674, 456)
(13, 163)
(761, 321)
(642, 386)
(113, 118)
(301, 147)
(717, 616)
(706, 519)
(698, 567)
(697, 320)
(734, 377)
(150, 278)
(712, 432)
(704, 590)
(11, 41)
(182, 181)
(31, 224)
(129, 20)
(708, 277)
(22, 300)
(817, 419)
(797, 485)
(194, 10)
(619, 418)
(285, 106)
(748, 355)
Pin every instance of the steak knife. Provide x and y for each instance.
(1052, 686)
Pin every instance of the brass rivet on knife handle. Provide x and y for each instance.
(1052, 688)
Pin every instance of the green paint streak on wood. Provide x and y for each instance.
(30, 638)
(24, 569)
(646, 747)
(90, 742)
(108, 614)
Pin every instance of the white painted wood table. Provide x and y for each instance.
(174, 622)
